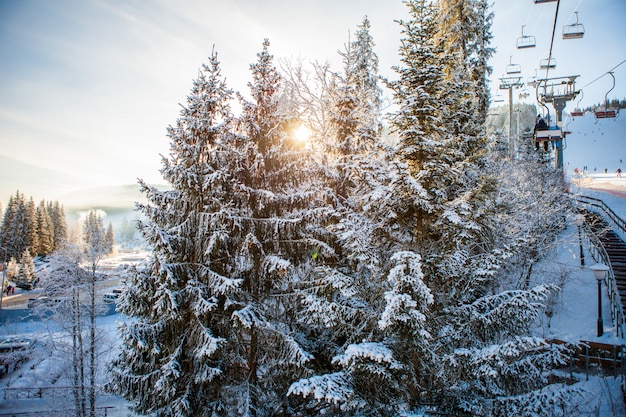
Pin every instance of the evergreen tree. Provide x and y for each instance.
(356, 371)
(26, 269)
(59, 223)
(446, 208)
(19, 226)
(14, 228)
(110, 238)
(13, 268)
(30, 226)
(211, 333)
(45, 231)
(95, 240)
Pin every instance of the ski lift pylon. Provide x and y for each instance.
(574, 31)
(513, 68)
(526, 41)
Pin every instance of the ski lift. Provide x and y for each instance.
(513, 68)
(524, 94)
(525, 41)
(577, 111)
(498, 99)
(532, 81)
(574, 31)
(607, 113)
(545, 134)
(547, 63)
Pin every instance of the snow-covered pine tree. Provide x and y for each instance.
(173, 359)
(211, 333)
(466, 36)
(45, 231)
(110, 238)
(26, 268)
(7, 237)
(59, 223)
(18, 225)
(439, 206)
(364, 310)
(271, 203)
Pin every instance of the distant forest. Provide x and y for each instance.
(613, 104)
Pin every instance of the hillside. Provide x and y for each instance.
(597, 144)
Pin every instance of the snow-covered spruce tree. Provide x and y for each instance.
(110, 238)
(364, 310)
(211, 333)
(59, 223)
(18, 226)
(45, 230)
(439, 205)
(26, 269)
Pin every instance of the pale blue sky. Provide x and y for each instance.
(87, 87)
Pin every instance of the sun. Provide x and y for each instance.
(302, 134)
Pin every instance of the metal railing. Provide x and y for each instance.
(599, 254)
(609, 214)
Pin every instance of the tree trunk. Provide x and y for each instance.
(92, 344)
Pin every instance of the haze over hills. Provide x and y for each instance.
(72, 191)
(116, 204)
(35, 181)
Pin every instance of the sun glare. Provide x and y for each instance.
(302, 134)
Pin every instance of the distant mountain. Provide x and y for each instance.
(115, 204)
(105, 198)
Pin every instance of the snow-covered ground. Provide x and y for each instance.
(594, 144)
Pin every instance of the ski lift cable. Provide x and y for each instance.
(556, 14)
(575, 10)
(538, 21)
(606, 73)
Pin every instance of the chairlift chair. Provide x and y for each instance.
(513, 68)
(577, 111)
(524, 93)
(546, 135)
(607, 113)
(547, 63)
(574, 31)
(525, 41)
(532, 81)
